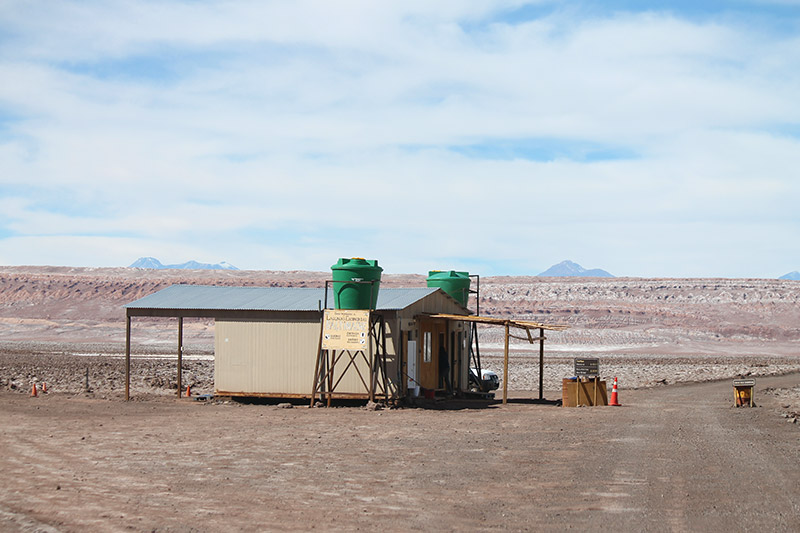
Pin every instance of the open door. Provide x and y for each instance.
(433, 333)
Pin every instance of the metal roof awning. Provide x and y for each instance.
(206, 301)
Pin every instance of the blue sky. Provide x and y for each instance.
(500, 137)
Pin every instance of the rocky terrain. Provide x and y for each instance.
(55, 322)
(672, 457)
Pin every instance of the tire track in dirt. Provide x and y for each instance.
(686, 460)
(671, 459)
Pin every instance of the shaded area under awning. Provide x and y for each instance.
(508, 323)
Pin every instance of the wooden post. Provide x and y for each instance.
(127, 357)
(317, 366)
(373, 363)
(541, 363)
(180, 355)
(330, 356)
(505, 369)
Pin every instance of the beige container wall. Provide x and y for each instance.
(277, 356)
(265, 356)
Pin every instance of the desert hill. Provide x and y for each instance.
(153, 263)
(626, 315)
(574, 270)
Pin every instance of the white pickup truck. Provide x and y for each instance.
(487, 382)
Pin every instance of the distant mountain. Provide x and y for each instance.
(147, 262)
(570, 269)
(791, 275)
(155, 264)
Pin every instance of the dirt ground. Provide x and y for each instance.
(673, 458)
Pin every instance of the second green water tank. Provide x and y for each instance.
(349, 295)
(453, 282)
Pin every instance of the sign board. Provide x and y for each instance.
(587, 367)
(345, 329)
(749, 382)
(407, 324)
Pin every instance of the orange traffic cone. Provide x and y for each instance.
(33, 392)
(614, 400)
(188, 391)
(44, 386)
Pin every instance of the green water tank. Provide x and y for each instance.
(349, 295)
(454, 283)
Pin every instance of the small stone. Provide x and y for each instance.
(372, 406)
(285, 405)
(58, 487)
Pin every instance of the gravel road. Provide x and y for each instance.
(675, 458)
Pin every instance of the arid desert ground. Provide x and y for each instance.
(676, 457)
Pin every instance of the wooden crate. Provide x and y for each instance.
(583, 391)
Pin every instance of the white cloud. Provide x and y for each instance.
(279, 135)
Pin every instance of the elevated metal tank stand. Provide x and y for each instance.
(333, 365)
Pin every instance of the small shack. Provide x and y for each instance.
(268, 340)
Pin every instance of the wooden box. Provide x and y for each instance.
(583, 391)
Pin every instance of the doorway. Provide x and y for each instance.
(433, 333)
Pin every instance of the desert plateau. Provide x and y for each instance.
(675, 457)
(647, 332)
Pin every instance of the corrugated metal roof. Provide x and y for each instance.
(265, 298)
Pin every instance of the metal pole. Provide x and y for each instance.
(505, 368)
(478, 296)
(541, 363)
(127, 357)
(477, 348)
(477, 293)
(180, 355)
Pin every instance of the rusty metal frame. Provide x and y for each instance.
(376, 386)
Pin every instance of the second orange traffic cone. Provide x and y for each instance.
(188, 391)
(614, 398)
(33, 392)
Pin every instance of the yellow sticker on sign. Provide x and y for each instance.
(345, 329)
